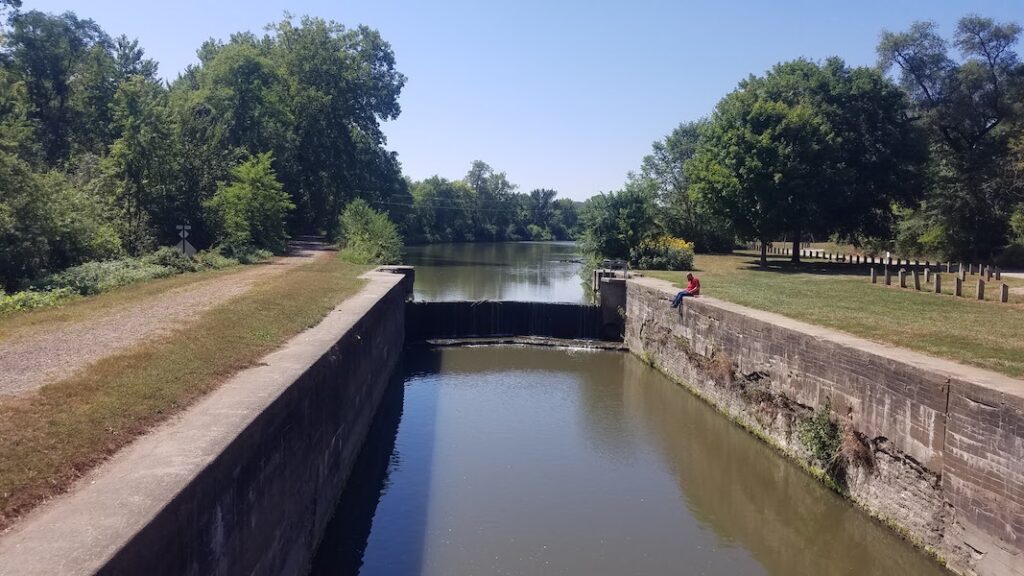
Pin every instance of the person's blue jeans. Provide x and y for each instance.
(679, 298)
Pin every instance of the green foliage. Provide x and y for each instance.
(1017, 225)
(820, 434)
(662, 253)
(616, 223)
(969, 107)
(96, 277)
(46, 224)
(369, 237)
(250, 211)
(808, 149)
(681, 212)
(33, 299)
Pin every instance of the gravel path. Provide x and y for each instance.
(44, 354)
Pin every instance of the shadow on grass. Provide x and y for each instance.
(815, 267)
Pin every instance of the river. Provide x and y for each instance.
(514, 460)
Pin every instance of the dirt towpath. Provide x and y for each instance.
(38, 355)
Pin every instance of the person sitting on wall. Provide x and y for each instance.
(692, 290)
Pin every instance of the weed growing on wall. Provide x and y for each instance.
(820, 434)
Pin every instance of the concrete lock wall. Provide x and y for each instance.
(245, 481)
(943, 457)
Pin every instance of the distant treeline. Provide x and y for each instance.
(267, 135)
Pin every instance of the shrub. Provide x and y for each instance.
(369, 236)
(820, 434)
(32, 299)
(213, 259)
(250, 211)
(662, 253)
(171, 258)
(47, 224)
(96, 277)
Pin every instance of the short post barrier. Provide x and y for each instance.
(927, 275)
(981, 289)
(999, 273)
(888, 277)
(903, 278)
(938, 283)
(916, 278)
(949, 267)
(874, 276)
(958, 287)
(1004, 293)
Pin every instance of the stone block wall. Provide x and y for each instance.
(944, 443)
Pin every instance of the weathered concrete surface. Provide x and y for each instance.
(946, 441)
(245, 481)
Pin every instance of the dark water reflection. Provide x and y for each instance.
(529, 271)
(540, 461)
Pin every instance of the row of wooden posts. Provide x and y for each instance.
(936, 281)
(971, 269)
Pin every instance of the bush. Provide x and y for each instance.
(662, 253)
(171, 258)
(820, 434)
(47, 224)
(96, 277)
(249, 212)
(213, 260)
(369, 236)
(32, 299)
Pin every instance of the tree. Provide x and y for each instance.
(370, 237)
(250, 212)
(808, 149)
(141, 160)
(970, 109)
(616, 223)
(681, 213)
(46, 52)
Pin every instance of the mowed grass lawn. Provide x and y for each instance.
(50, 438)
(985, 334)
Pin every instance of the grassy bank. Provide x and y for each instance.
(985, 334)
(49, 439)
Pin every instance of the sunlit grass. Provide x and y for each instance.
(49, 439)
(985, 334)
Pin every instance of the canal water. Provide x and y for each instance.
(515, 460)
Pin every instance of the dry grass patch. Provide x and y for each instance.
(49, 439)
(840, 296)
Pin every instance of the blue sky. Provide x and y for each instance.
(563, 95)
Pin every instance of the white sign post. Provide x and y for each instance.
(185, 247)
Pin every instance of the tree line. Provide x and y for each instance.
(922, 153)
(266, 136)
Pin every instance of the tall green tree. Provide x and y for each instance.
(616, 223)
(809, 149)
(681, 213)
(971, 109)
(250, 211)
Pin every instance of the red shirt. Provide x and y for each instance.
(693, 287)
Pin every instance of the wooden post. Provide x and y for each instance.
(981, 290)
(958, 288)
(949, 267)
(963, 274)
(903, 278)
(970, 269)
(874, 276)
(999, 273)
(988, 273)
(938, 283)
(927, 275)
(888, 277)
(1004, 293)
(917, 279)
(961, 270)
